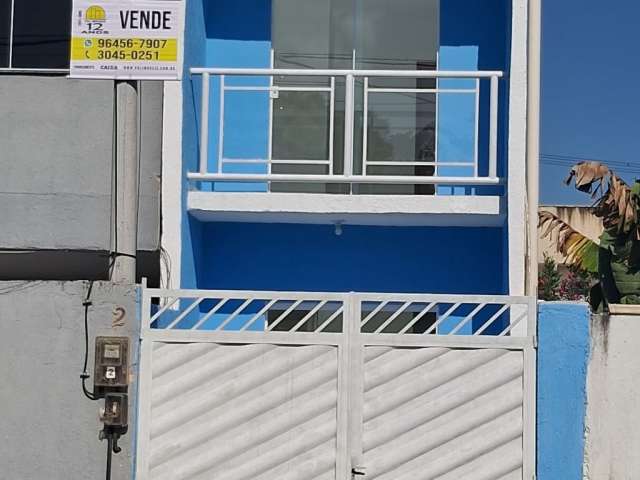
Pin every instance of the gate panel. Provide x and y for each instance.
(243, 412)
(299, 386)
(442, 413)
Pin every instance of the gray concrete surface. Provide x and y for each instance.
(56, 157)
(612, 448)
(48, 429)
(151, 96)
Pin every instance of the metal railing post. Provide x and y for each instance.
(493, 129)
(365, 125)
(204, 124)
(221, 124)
(349, 107)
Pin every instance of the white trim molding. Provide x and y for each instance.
(313, 208)
(171, 239)
(517, 128)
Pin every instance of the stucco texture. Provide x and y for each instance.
(56, 135)
(613, 437)
(49, 429)
(563, 353)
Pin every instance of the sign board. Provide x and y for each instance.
(127, 39)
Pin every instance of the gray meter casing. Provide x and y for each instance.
(111, 372)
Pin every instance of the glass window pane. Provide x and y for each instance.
(301, 126)
(398, 35)
(312, 33)
(41, 33)
(401, 127)
(5, 27)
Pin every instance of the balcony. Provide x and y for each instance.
(353, 146)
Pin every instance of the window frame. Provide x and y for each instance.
(17, 70)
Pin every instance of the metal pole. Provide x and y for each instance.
(348, 124)
(204, 124)
(493, 129)
(126, 184)
(533, 142)
(365, 125)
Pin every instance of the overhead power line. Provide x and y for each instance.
(570, 160)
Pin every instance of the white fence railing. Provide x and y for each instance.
(349, 170)
(415, 315)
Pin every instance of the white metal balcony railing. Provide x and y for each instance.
(352, 170)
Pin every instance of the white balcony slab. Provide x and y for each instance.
(390, 210)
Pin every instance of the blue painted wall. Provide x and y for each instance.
(194, 55)
(369, 259)
(473, 36)
(237, 34)
(563, 354)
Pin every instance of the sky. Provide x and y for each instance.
(590, 92)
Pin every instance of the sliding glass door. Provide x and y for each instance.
(308, 118)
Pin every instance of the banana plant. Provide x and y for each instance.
(615, 256)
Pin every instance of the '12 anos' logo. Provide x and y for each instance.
(93, 19)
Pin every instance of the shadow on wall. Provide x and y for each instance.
(238, 20)
(294, 257)
(480, 26)
(476, 24)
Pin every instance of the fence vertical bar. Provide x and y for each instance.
(204, 124)
(365, 125)
(349, 108)
(344, 386)
(493, 129)
(144, 389)
(332, 121)
(530, 355)
(476, 139)
(270, 120)
(353, 318)
(221, 125)
(12, 15)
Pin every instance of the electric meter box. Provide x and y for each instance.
(115, 413)
(111, 373)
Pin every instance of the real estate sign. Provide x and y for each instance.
(127, 39)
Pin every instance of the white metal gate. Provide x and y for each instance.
(278, 385)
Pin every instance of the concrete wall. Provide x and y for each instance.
(563, 353)
(580, 219)
(613, 437)
(56, 157)
(56, 136)
(49, 429)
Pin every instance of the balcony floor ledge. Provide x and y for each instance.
(389, 210)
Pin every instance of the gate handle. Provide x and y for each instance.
(358, 471)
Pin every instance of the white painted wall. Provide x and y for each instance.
(612, 449)
(516, 179)
(172, 183)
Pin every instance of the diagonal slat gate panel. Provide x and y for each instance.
(299, 386)
(442, 413)
(270, 414)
